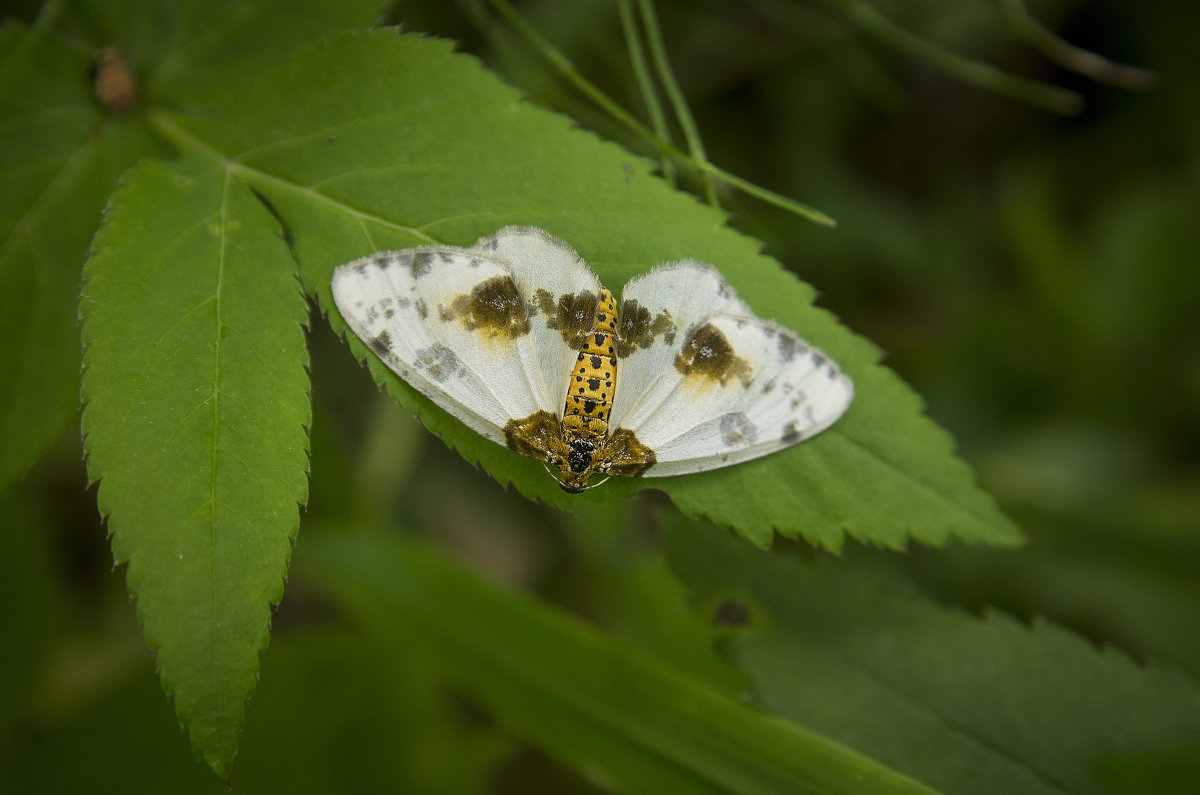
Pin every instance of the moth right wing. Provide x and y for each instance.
(703, 383)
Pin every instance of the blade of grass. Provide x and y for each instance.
(980, 75)
(568, 70)
(637, 58)
(1077, 59)
(666, 76)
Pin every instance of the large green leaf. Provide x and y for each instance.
(58, 159)
(196, 407)
(959, 702)
(636, 724)
(380, 140)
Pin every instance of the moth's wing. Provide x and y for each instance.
(718, 386)
(561, 292)
(457, 326)
(657, 309)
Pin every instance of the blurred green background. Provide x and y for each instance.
(1033, 275)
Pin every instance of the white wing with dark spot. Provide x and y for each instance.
(463, 325)
(562, 291)
(709, 384)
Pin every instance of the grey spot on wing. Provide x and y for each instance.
(437, 361)
(422, 263)
(789, 346)
(422, 308)
(382, 344)
(385, 262)
(737, 430)
(791, 434)
(818, 359)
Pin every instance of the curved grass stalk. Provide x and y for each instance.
(980, 75)
(1077, 59)
(641, 73)
(663, 147)
(683, 114)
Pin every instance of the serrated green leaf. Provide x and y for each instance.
(196, 408)
(962, 703)
(58, 160)
(624, 718)
(380, 140)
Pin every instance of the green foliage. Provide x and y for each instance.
(649, 728)
(272, 141)
(196, 408)
(963, 703)
(331, 164)
(59, 164)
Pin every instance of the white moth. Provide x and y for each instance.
(516, 338)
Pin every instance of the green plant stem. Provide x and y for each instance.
(184, 140)
(666, 76)
(981, 75)
(1078, 60)
(642, 74)
(662, 146)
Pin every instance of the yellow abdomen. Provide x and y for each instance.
(590, 395)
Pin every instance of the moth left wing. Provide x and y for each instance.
(462, 326)
(715, 385)
(561, 292)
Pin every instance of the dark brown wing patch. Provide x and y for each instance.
(493, 307)
(538, 436)
(707, 354)
(623, 454)
(573, 315)
(640, 330)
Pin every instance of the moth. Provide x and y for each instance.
(516, 337)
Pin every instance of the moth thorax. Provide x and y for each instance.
(579, 455)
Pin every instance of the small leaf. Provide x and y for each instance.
(398, 141)
(962, 703)
(195, 422)
(624, 718)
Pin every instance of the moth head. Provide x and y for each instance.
(575, 484)
(579, 468)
